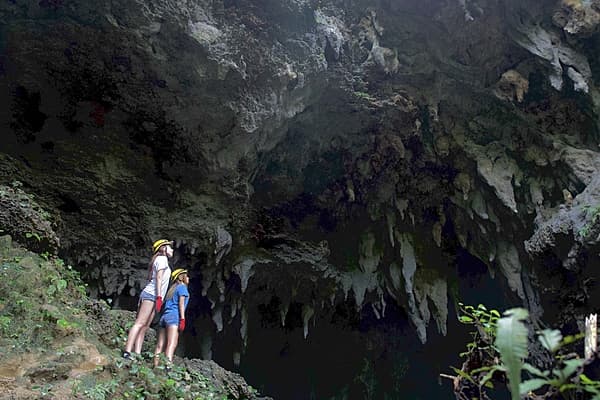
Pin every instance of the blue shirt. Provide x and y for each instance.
(172, 305)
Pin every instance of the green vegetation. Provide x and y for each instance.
(364, 95)
(68, 346)
(36, 305)
(593, 220)
(31, 225)
(138, 380)
(499, 354)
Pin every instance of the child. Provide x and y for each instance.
(173, 319)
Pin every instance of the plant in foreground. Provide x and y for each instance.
(499, 353)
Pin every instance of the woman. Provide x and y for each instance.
(173, 319)
(152, 295)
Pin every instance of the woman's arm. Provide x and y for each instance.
(181, 313)
(159, 278)
(181, 307)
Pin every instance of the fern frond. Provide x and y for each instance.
(511, 342)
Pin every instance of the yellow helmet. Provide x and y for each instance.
(161, 242)
(175, 274)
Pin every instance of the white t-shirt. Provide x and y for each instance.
(160, 263)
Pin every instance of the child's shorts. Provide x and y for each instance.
(169, 319)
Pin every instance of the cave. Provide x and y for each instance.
(338, 177)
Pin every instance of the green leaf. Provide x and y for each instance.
(531, 385)
(572, 338)
(465, 319)
(511, 342)
(483, 369)
(550, 339)
(567, 386)
(587, 381)
(569, 369)
(485, 380)
(534, 371)
(591, 389)
(463, 374)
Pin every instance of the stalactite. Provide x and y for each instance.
(361, 283)
(478, 205)
(436, 232)
(245, 272)
(379, 307)
(368, 256)
(391, 222)
(283, 312)
(220, 284)
(462, 240)
(217, 317)
(235, 304)
(307, 313)
(492, 254)
(394, 283)
(223, 242)
(421, 301)
(438, 226)
(206, 346)
(208, 276)
(510, 265)
(346, 282)
(375, 311)
(396, 276)
(438, 293)
(494, 219)
(409, 267)
(244, 326)
(402, 206)
(537, 197)
(383, 304)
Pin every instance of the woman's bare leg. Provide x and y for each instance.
(160, 345)
(172, 339)
(139, 328)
